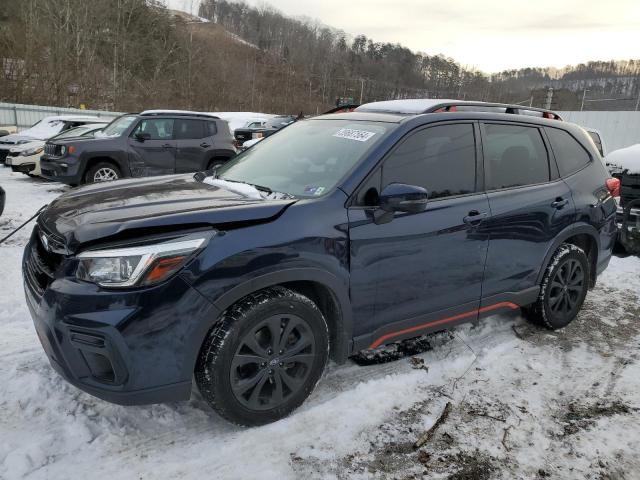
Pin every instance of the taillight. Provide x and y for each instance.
(613, 185)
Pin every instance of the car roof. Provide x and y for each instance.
(71, 118)
(179, 112)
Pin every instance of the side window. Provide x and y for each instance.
(514, 155)
(189, 129)
(441, 159)
(210, 129)
(156, 128)
(570, 155)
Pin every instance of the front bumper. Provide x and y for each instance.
(128, 347)
(65, 170)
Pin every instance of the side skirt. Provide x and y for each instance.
(444, 319)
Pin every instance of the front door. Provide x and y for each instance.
(420, 271)
(152, 149)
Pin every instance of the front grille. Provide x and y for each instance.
(629, 188)
(53, 150)
(3, 155)
(42, 264)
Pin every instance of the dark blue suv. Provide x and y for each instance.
(338, 234)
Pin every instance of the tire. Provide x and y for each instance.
(255, 385)
(215, 163)
(105, 170)
(564, 288)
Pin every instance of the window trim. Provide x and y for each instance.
(586, 165)
(552, 178)
(479, 183)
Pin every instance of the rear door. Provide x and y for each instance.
(529, 203)
(194, 142)
(155, 154)
(420, 270)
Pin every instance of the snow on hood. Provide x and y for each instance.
(243, 189)
(246, 190)
(625, 159)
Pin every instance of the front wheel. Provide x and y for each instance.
(564, 288)
(264, 357)
(102, 172)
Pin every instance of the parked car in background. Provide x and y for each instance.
(243, 119)
(270, 127)
(25, 158)
(42, 130)
(154, 142)
(624, 164)
(3, 197)
(4, 133)
(339, 234)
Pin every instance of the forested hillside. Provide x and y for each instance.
(132, 54)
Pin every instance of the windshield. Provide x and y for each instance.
(306, 159)
(117, 127)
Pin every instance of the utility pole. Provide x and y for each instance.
(584, 94)
(549, 99)
(638, 102)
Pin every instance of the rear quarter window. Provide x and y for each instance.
(570, 155)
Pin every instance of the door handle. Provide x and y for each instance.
(166, 145)
(559, 203)
(474, 217)
(205, 145)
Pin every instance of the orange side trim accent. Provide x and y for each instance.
(460, 316)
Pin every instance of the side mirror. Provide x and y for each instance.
(142, 136)
(399, 197)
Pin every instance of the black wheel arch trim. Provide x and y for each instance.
(572, 230)
(87, 160)
(342, 336)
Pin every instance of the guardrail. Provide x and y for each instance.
(24, 116)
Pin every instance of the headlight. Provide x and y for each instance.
(140, 265)
(32, 151)
(63, 151)
(257, 135)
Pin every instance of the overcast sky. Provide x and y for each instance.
(491, 35)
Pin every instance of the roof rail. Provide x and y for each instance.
(434, 105)
(509, 108)
(179, 113)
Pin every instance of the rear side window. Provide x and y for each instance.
(441, 159)
(189, 129)
(514, 155)
(570, 155)
(211, 129)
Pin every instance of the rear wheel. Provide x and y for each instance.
(564, 288)
(264, 357)
(102, 172)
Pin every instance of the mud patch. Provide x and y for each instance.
(582, 417)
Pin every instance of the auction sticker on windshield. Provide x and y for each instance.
(353, 134)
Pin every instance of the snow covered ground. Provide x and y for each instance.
(525, 402)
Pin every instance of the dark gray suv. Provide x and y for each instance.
(139, 145)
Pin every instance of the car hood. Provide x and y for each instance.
(103, 212)
(79, 140)
(27, 146)
(14, 138)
